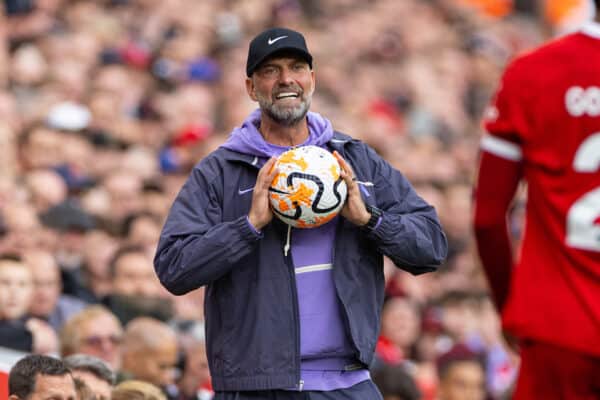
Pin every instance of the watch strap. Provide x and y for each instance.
(376, 214)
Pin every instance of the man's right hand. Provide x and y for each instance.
(260, 212)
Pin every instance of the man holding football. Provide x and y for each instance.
(544, 128)
(301, 324)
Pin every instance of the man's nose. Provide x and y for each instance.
(285, 76)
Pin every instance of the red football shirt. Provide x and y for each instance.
(544, 127)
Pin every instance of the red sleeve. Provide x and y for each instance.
(496, 185)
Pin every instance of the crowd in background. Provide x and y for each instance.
(105, 105)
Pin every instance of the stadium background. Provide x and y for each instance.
(105, 105)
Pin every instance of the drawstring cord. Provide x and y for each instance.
(286, 248)
(363, 183)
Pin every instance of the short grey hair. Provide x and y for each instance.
(91, 364)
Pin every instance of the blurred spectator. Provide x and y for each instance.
(95, 281)
(124, 190)
(40, 377)
(47, 189)
(142, 230)
(16, 288)
(469, 319)
(40, 147)
(461, 374)
(94, 372)
(137, 390)
(47, 302)
(23, 230)
(94, 331)
(395, 383)
(17, 330)
(194, 382)
(398, 343)
(400, 323)
(459, 314)
(70, 222)
(136, 290)
(150, 353)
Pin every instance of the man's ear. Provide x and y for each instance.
(250, 88)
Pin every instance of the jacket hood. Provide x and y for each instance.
(248, 140)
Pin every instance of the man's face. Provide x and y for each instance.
(51, 387)
(283, 88)
(156, 366)
(102, 337)
(124, 190)
(134, 276)
(400, 322)
(465, 380)
(46, 284)
(43, 148)
(99, 387)
(16, 287)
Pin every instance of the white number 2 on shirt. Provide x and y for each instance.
(582, 230)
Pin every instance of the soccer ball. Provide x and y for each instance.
(308, 191)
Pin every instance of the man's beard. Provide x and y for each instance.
(286, 116)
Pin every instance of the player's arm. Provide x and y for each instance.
(497, 182)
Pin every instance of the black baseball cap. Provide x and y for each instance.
(272, 41)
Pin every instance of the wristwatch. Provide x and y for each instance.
(376, 213)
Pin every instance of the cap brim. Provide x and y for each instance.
(285, 49)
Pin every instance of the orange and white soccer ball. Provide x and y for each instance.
(308, 191)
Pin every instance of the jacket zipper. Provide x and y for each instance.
(290, 264)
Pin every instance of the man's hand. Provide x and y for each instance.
(354, 210)
(260, 212)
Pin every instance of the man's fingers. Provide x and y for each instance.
(340, 159)
(273, 170)
(267, 173)
(346, 171)
(267, 168)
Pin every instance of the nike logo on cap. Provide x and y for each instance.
(271, 41)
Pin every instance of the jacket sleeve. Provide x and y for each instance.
(196, 247)
(409, 232)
